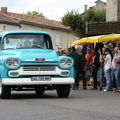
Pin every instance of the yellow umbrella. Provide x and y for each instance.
(97, 39)
(86, 40)
(110, 38)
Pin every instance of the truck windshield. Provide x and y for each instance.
(27, 41)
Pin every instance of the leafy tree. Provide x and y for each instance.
(78, 21)
(93, 15)
(35, 13)
(74, 20)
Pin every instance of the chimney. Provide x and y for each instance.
(86, 7)
(4, 10)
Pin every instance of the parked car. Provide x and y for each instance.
(28, 61)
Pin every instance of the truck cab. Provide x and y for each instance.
(28, 62)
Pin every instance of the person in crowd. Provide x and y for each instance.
(89, 58)
(88, 64)
(102, 56)
(117, 66)
(107, 68)
(76, 58)
(98, 46)
(113, 72)
(117, 44)
(105, 45)
(82, 66)
(68, 50)
(61, 53)
(59, 49)
(111, 47)
(84, 49)
(95, 66)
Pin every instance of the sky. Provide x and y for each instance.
(52, 9)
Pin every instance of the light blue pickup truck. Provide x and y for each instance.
(28, 62)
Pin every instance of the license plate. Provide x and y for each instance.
(41, 78)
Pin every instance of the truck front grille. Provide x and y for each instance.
(38, 68)
(38, 71)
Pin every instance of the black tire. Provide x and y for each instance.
(63, 91)
(5, 92)
(40, 90)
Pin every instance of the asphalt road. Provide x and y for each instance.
(81, 105)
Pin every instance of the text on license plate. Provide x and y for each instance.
(41, 78)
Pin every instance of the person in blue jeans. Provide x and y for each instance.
(102, 73)
(107, 68)
(114, 67)
(117, 65)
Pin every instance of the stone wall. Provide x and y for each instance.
(113, 10)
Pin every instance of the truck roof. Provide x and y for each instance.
(23, 31)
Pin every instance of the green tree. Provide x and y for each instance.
(35, 13)
(74, 20)
(78, 21)
(93, 15)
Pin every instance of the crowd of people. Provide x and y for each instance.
(89, 59)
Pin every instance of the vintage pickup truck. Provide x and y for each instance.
(28, 62)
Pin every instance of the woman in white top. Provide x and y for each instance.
(107, 68)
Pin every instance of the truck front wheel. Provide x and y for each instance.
(5, 92)
(63, 91)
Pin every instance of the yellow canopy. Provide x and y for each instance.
(110, 38)
(86, 40)
(97, 39)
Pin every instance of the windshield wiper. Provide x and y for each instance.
(20, 48)
(9, 49)
(36, 46)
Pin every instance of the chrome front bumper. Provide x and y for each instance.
(29, 81)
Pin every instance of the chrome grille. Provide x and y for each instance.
(38, 68)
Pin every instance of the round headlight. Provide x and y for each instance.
(66, 63)
(12, 63)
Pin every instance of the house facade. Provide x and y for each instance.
(100, 5)
(61, 35)
(7, 23)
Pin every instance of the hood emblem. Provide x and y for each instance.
(40, 59)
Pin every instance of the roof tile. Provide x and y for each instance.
(5, 18)
(37, 20)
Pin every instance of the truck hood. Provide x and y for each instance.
(30, 54)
